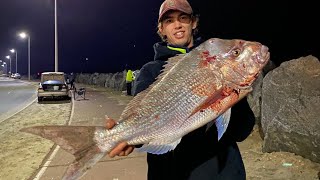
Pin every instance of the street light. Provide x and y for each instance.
(23, 36)
(14, 51)
(8, 57)
(55, 37)
(4, 65)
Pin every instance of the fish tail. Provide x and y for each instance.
(77, 140)
(83, 163)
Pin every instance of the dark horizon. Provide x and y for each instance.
(113, 34)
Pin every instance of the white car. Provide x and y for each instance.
(53, 85)
(16, 76)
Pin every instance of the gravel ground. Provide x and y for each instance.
(22, 153)
(275, 165)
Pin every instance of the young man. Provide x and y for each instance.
(199, 156)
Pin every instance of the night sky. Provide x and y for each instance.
(111, 34)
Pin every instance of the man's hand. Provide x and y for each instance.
(122, 149)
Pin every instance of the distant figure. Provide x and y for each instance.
(68, 80)
(72, 78)
(129, 79)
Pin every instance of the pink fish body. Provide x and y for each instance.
(193, 90)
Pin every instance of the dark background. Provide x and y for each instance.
(111, 34)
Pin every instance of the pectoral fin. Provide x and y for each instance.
(159, 146)
(222, 123)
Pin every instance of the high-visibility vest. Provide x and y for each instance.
(129, 77)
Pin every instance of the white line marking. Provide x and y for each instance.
(44, 167)
(47, 163)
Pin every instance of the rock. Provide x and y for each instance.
(290, 108)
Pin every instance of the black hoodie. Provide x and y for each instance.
(199, 156)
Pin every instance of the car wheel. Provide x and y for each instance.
(39, 99)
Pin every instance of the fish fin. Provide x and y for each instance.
(129, 110)
(134, 103)
(171, 62)
(77, 140)
(83, 162)
(155, 148)
(208, 102)
(222, 123)
(73, 139)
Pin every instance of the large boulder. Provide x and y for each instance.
(254, 97)
(290, 110)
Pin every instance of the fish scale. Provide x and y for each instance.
(193, 90)
(179, 109)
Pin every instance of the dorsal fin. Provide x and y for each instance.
(135, 102)
(171, 62)
(129, 110)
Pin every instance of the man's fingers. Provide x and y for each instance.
(117, 150)
(110, 124)
(128, 150)
(121, 153)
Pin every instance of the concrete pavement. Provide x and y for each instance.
(91, 111)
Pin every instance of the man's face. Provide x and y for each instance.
(178, 26)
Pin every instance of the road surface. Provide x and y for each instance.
(14, 96)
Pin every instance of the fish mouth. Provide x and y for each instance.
(267, 57)
(262, 61)
(261, 58)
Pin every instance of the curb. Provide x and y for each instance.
(52, 153)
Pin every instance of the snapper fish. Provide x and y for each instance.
(193, 90)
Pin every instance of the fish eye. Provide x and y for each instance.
(236, 52)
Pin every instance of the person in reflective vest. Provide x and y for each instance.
(129, 79)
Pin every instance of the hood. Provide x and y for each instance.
(162, 52)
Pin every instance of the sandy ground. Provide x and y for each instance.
(276, 165)
(22, 153)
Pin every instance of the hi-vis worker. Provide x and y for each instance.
(129, 79)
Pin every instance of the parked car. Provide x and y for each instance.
(53, 85)
(16, 76)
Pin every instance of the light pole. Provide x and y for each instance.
(55, 37)
(15, 51)
(23, 36)
(1, 66)
(8, 57)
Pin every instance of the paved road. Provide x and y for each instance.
(14, 96)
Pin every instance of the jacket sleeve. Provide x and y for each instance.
(241, 122)
(146, 76)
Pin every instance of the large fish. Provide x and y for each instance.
(194, 89)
